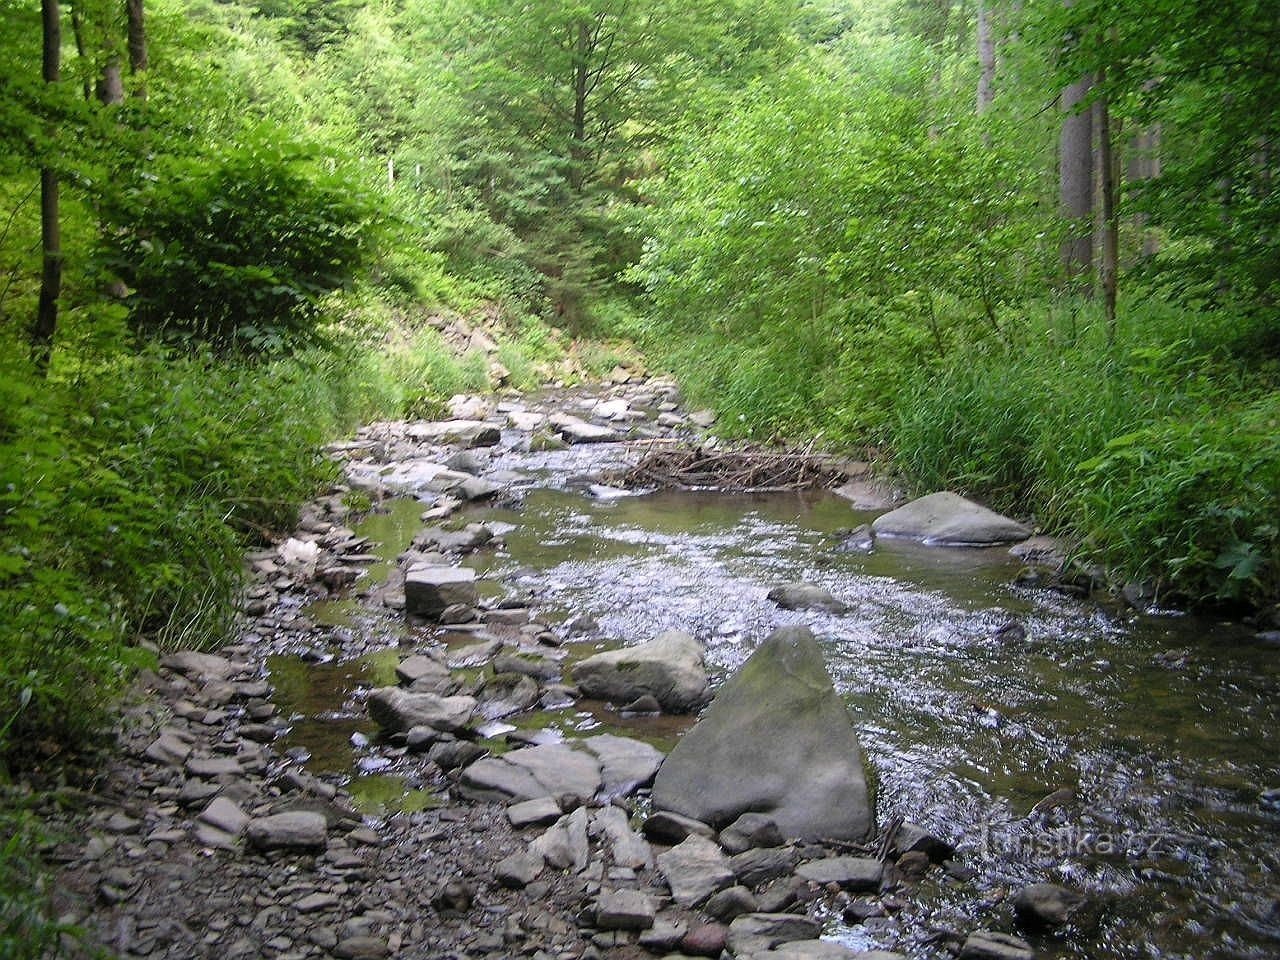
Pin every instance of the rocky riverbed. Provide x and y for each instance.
(430, 753)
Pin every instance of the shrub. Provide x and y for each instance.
(238, 247)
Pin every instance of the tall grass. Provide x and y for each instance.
(128, 490)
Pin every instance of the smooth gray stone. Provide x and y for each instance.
(777, 740)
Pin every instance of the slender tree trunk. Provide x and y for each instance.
(46, 321)
(986, 58)
(1110, 220)
(77, 32)
(111, 83)
(137, 46)
(1075, 178)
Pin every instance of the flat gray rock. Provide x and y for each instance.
(806, 596)
(754, 933)
(518, 870)
(533, 813)
(754, 867)
(857, 874)
(625, 764)
(202, 666)
(776, 740)
(626, 847)
(399, 710)
(426, 671)
(948, 519)
(668, 668)
(820, 950)
(695, 869)
(294, 830)
(575, 430)
(990, 945)
(224, 815)
(430, 588)
(550, 770)
(624, 910)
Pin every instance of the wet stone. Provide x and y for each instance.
(990, 945)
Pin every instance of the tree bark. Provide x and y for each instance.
(1075, 178)
(986, 58)
(111, 83)
(46, 321)
(137, 43)
(1110, 221)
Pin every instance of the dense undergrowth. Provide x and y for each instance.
(1157, 455)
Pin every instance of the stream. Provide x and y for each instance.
(1162, 726)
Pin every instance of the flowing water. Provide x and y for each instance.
(1164, 727)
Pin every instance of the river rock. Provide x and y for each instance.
(865, 494)
(820, 950)
(695, 869)
(505, 694)
(202, 666)
(400, 710)
(748, 831)
(989, 945)
(857, 874)
(778, 740)
(754, 867)
(668, 668)
(625, 764)
(663, 826)
(470, 433)
(948, 519)
(754, 933)
(430, 588)
(806, 596)
(550, 770)
(705, 940)
(574, 430)
(624, 910)
(626, 847)
(426, 672)
(1041, 905)
(518, 870)
(293, 830)
(534, 813)
(730, 903)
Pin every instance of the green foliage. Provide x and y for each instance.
(1158, 455)
(237, 248)
(27, 932)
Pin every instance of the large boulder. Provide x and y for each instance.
(669, 668)
(948, 519)
(778, 740)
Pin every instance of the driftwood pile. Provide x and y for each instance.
(748, 470)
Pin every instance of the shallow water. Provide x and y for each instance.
(964, 734)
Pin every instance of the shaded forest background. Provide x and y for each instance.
(1027, 250)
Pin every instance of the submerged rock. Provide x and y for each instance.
(948, 519)
(669, 669)
(777, 740)
(1041, 905)
(806, 596)
(990, 945)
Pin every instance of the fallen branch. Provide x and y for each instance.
(696, 468)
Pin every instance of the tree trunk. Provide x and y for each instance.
(986, 58)
(137, 44)
(1110, 221)
(111, 83)
(1075, 179)
(77, 32)
(46, 321)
